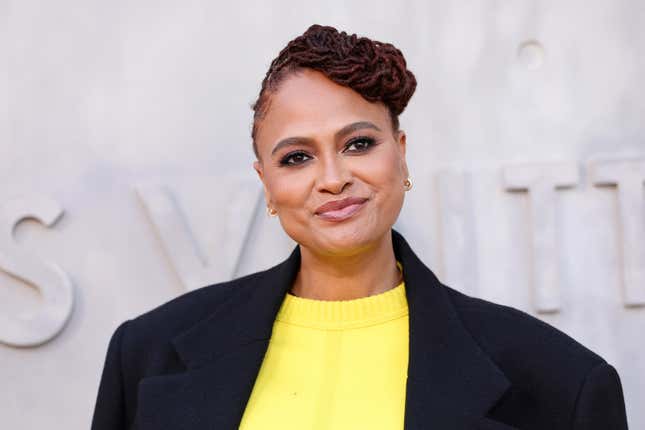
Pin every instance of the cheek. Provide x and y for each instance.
(288, 190)
(384, 176)
(383, 172)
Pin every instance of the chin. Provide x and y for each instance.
(347, 239)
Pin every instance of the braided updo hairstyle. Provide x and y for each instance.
(375, 70)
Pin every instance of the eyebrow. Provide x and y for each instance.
(350, 128)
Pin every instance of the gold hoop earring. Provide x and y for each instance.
(271, 211)
(407, 184)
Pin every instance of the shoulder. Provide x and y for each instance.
(146, 340)
(189, 308)
(142, 347)
(549, 371)
(507, 333)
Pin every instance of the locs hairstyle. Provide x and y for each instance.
(375, 70)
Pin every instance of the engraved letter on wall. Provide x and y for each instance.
(233, 202)
(459, 259)
(55, 287)
(628, 177)
(541, 180)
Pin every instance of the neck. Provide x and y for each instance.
(371, 271)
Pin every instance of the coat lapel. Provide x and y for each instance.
(451, 382)
(223, 355)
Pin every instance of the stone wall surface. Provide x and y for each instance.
(126, 168)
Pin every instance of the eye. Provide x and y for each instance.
(359, 144)
(294, 158)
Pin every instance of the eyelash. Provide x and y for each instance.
(285, 161)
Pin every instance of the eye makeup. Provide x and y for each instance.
(294, 158)
(360, 143)
(356, 145)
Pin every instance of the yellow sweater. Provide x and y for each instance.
(334, 365)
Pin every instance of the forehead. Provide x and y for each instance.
(307, 103)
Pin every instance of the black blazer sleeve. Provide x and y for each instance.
(109, 412)
(600, 403)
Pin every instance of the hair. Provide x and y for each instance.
(375, 70)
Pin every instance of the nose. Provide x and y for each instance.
(334, 175)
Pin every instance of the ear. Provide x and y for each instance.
(259, 168)
(257, 165)
(401, 146)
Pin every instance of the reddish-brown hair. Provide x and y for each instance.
(375, 70)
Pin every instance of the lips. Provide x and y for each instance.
(338, 210)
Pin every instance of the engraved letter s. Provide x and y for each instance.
(33, 328)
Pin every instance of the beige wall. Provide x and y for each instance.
(124, 128)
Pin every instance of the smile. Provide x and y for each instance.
(340, 210)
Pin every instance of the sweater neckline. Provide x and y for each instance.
(344, 314)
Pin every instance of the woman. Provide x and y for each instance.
(352, 331)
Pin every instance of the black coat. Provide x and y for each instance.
(191, 363)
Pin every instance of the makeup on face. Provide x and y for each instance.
(333, 168)
(304, 147)
(340, 210)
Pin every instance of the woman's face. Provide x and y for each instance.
(330, 164)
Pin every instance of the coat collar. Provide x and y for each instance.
(452, 383)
